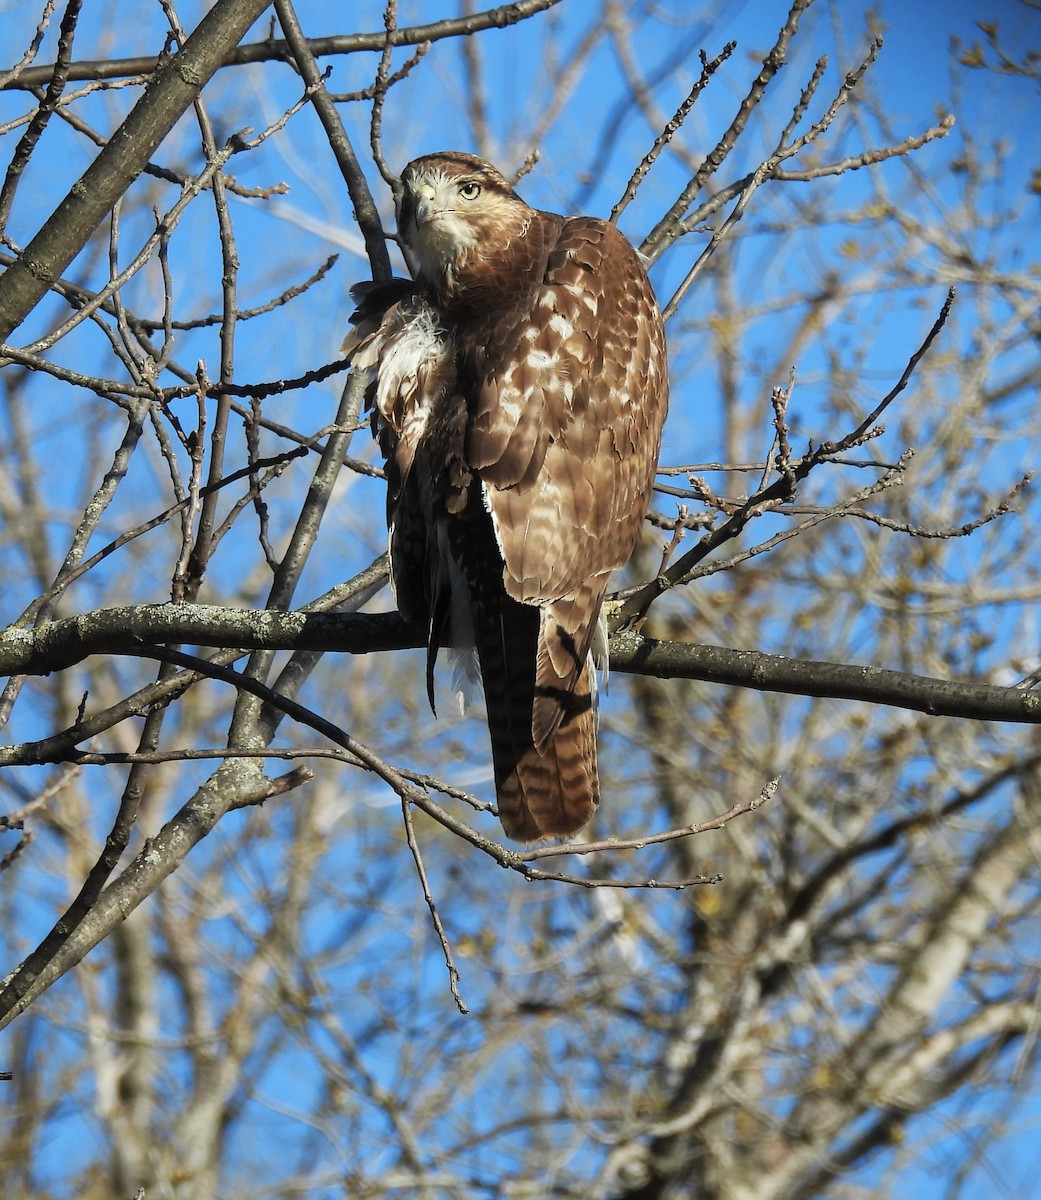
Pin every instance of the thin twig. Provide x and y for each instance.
(664, 232)
(168, 221)
(652, 839)
(7, 78)
(380, 87)
(708, 69)
(55, 86)
(365, 210)
(413, 845)
(273, 49)
(638, 601)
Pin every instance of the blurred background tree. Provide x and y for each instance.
(852, 1010)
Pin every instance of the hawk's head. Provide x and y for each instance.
(457, 210)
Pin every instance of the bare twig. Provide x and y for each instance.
(945, 532)
(275, 50)
(652, 839)
(664, 231)
(7, 78)
(365, 211)
(381, 85)
(638, 601)
(55, 86)
(166, 223)
(708, 69)
(413, 845)
(668, 885)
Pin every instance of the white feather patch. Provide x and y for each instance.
(461, 652)
(419, 344)
(561, 325)
(466, 676)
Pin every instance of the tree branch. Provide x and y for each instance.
(133, 629)
(276, 50)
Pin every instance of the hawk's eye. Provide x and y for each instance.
(469, 190)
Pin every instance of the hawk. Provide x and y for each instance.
(520, 387)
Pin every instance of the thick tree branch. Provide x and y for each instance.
(805, 677)
(133, 628)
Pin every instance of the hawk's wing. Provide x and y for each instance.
(565, 432)
(568, 414)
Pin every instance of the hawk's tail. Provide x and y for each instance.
(552, 790)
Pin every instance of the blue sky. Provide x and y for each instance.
(585, 161)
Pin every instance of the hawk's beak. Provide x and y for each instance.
(424, 210)
(425, 196)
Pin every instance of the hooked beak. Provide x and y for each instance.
(424, 207)
(424, 210)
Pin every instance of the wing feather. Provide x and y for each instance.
(568, 421)
(571, 397)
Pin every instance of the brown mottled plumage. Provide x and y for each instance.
(520, 390)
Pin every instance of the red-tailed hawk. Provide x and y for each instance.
(519, 394)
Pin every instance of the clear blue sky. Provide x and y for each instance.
(313, 220)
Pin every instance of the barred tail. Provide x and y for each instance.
(551, 790)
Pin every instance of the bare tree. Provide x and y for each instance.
(830, 632)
